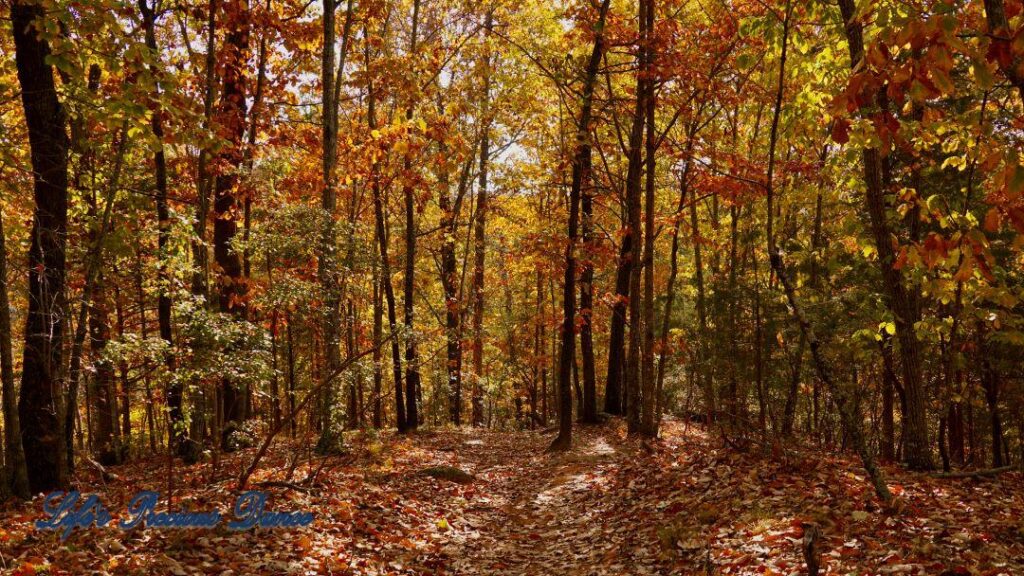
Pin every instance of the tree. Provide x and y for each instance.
(40, 403)
(227, 200)
(917, 450)
(15, 471)
(581, 166)
(480, 240)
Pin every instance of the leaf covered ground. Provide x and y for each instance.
(611, 506)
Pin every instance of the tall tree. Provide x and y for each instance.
(648, 404)
(412, 369)
(40, 405)
(480, 234)
(175, 389)
(634, 228)
(381, 238)
(917, 448)
(16, 474)
(327, 265)
(228, 198)
(581, 165)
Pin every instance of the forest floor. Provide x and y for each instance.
(611, 506)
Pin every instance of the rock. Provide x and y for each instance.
(449, 473)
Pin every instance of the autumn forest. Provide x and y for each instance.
(491, 287)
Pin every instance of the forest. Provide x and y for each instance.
(580, 287)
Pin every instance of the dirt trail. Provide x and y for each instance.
(613, 506)
(539, 514)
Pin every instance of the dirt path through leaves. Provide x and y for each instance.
(613, 506)
(546, 514)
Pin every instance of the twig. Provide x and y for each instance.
(974, 473)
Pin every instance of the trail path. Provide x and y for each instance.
(549, 514)
(612, 506)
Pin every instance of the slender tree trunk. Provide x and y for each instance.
(990, 383)
(588, 414)
(86, 163)
(126, 420)
(14, 456)
(634, 186)
(580, 167)
(412, 369)
(378, 330)
(176, 423)
(648, 418)
(327, 265)
(382, 244)
(449, 282)
(848, 409)
(479, 240)
(702, 368)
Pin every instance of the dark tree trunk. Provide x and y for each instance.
(107, 443)
(580, 164)
(228, 199)
(327, 264)
(990, 383)
(380, 218)
(702, 368)
(40, 406)
(647, 418)
(917, 448)
(14, 455)
(412, 368)
(588, 413)
(378, 331)
(634, 228)
(178, 432)
(449, 282)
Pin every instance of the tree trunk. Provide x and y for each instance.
(378, 330)
(327, 265)
(632, 377)
(703, 371)
(227, 197)
(648, 419)
(990, 383)
(14, 455)
(385, 275)
(917, 448)
(40, 405)
(449, 282)
(580, 167)
(479, 240)
(849, 414)
(412, 369)
(588, 413)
